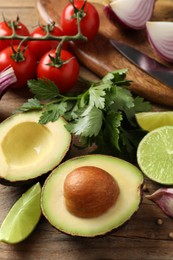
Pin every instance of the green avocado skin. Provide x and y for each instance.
(28, 182)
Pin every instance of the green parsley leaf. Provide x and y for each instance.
(43, 89)
(122, 100)
(112, 124)
(32, 104)
(130, 139)
(140, 105)
(53, 112)
(103, 115)
(117, 78)
(97, 95)
(87, 125)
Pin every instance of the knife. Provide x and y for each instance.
(152, 67)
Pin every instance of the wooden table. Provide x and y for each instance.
(141, 238)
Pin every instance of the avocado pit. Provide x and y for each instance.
(55, 194)
(90, 191)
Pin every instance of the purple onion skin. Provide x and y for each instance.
(114, 19)
(7, 77)
(165, 58)
(110, 14)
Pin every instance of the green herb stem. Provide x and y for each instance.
(103, 115)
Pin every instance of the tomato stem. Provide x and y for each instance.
(78, 13)
(57, 61)
(48, 36)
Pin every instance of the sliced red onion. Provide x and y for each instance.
(164, 199)
(7, 77)
(132, 14)
(160, 36)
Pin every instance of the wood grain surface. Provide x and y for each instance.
(100, 57)
(142, 238)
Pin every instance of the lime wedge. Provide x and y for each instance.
(152, 120)
(155, 155)
(23, 216)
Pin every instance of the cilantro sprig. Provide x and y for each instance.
(103, 115)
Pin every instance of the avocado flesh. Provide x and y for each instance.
(129, 179)
(29, 149)
(20, 150)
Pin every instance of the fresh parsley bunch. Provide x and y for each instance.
(103, 115)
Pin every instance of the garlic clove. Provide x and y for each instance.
(163, 197)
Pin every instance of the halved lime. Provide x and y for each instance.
(22, 217)
(155, 155)
(152, 120)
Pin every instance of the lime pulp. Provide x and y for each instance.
(155, 155)
(152, 120)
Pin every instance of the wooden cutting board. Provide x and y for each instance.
(142, 238)
(100, 57)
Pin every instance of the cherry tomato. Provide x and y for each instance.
(39, 48)
(65, 76)
(6, 30)
(24, 69)
(89, 23)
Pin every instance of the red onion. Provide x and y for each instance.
(160, 36)
(131, 14)
(163, 197)
(7, 77)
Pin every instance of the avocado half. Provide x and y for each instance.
(29, 149)
(129, 180)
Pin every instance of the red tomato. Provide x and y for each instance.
(24, 70)
(39, 48)
(6, 30)
(65, 76)
(89, 23)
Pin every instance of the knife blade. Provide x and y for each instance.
(152, 67)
